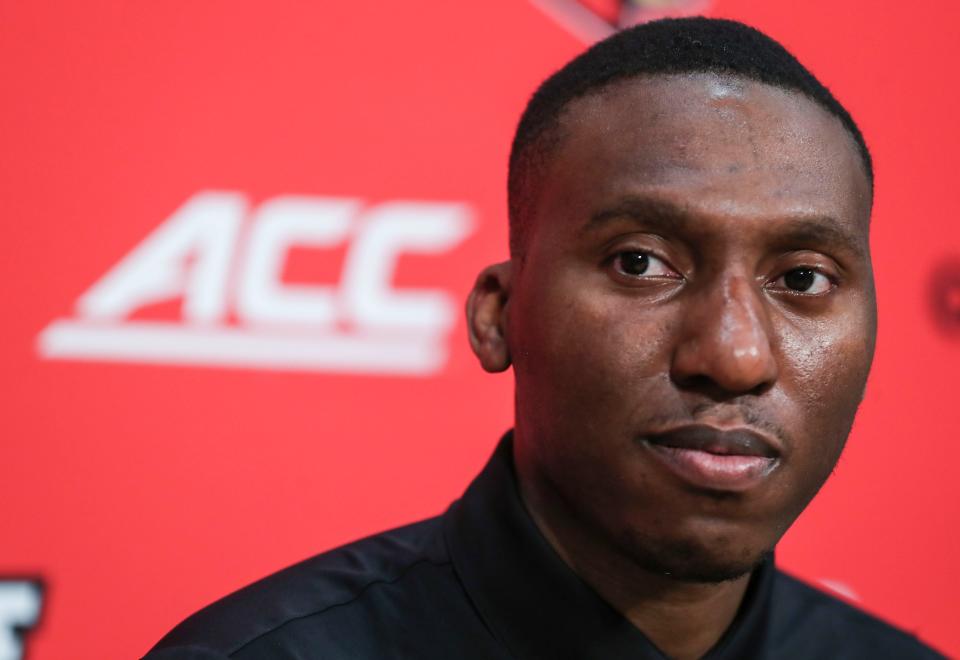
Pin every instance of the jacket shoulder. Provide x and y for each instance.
(308, 589)
(812, 623)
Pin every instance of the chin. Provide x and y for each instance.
(691, 559)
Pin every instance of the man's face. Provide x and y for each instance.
(693, 320)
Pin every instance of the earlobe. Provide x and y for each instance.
(487, 317)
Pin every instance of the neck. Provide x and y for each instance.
(683, 619)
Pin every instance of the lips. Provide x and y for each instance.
(733, 460)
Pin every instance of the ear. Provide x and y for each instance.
(487, 316)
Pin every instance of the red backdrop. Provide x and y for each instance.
(163, 444)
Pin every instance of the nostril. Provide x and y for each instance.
(713, 390)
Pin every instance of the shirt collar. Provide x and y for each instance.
(536, 605)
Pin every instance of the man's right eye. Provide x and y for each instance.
(635, 263)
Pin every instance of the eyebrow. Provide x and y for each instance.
(649, 211)
(669, 217)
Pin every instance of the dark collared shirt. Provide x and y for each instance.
(480, 581)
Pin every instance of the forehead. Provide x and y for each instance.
(715, 144)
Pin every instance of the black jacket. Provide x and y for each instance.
(481, 582)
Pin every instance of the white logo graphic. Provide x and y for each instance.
(207, 255)
(598, 20)
(840, 588)
(20, 603)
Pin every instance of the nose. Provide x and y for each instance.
(725, 340)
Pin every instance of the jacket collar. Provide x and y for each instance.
(536, 605)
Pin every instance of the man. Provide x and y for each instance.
(689, 312)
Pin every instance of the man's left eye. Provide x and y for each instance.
(804, 280)
(641, 264)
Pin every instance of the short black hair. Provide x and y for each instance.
(668, 46)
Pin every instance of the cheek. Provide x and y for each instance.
(591, 345)
(828, 366)
(824, 369)
(589, 365)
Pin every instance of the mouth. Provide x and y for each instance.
(731, 460)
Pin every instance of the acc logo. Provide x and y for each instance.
(21, 601)
(218, 259)
(593, 20)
